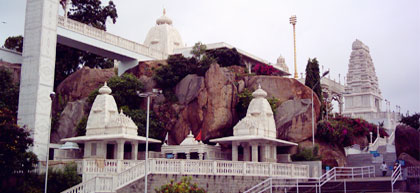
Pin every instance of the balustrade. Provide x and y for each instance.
(115, 174)
(106, 37)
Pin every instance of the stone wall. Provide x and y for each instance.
(210, 183)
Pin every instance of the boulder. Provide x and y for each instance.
(218, 102)
(146, 68)
(293, 116)
(206, 104)
(189, 88)
(409, 160)
(69, 118)
(82, 82)
(407, 140)
(289, 120)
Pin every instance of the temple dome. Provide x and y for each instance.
(164, 37)
(259, 119)
(281, 63)
(189, 140)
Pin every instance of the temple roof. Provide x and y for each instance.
(164, 37)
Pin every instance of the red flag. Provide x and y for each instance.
(198, 138)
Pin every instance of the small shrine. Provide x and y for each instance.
(108, 133)
(256, 132)
(190, 146)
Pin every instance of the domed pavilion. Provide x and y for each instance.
(107, 131)
(256, 132)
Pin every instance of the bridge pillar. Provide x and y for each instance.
(37, 74)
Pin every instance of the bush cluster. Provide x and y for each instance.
(264, 69)
(342, 130)
(307, 154)
(185, 186)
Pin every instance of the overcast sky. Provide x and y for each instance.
(325, 30)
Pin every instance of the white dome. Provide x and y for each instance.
(189, 140)
(259, 119)
(164, 37)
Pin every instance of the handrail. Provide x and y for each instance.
(333, 174)
(261, 187)
(109, 38)
(396, 174)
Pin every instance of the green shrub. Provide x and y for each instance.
(81, 127)
(341, 131)
(184, 186)
(307, 154)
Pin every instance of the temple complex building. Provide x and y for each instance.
(362, 95)
(108, 132)
(255, 133)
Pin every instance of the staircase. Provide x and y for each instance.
(339, 179)
(357, 160)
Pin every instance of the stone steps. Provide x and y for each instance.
(351, 187)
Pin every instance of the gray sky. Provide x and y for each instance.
(325, 29)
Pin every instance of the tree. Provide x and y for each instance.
(226, 57)
(411, 120)
(14, 43)
(14, 144)
(313, 77)
(92, 13)
(312, 80)
(9, 91)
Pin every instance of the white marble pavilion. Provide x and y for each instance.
(256, 132)
(190, 145)
(107, 131)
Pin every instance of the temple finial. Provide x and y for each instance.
(164, 11)
(259, 86)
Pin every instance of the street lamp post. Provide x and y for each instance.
(155, 92)
(312, 95)
(52, 96)
(293, 22)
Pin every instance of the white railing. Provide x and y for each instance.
(101, 166)
(391, 137)
(262, 186)
(317, 183)
(109, 38)
(175, 166)
(396, 174)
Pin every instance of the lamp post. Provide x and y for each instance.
(52, 96)
(293, 22)
(155, 92)
(312, 95)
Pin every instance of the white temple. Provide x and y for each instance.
(281, 64)
(164, 37)
(362, 96)
(190, 147)
(107, 131)
(256, 130)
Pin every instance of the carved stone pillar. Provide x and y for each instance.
(234, 152)
(120, 152)
(200, 156)
(187, 155)
(254, 152)
(134, 150)
(245, 146)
